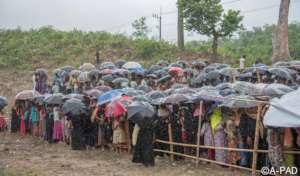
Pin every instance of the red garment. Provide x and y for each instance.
(211, 154)
(22, 127)
(3, 124)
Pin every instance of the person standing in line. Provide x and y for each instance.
(98, 57)
(242, 62)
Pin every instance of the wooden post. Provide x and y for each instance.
(170, 138)
(256, 140)
(199, 133)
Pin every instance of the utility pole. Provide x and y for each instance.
(180, 30)
(158, 17)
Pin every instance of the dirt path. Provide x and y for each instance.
(30, 156)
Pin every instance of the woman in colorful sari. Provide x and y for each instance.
(34, 119)
(58, 133)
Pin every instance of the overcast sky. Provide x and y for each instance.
(117, 15)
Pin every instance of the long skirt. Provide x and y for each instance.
(22, 128)
(143, 150)
(15, 122)
(77, 138)
(58, 134)
(101, 135)
(49, 129)
(220, 141)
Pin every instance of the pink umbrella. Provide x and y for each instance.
(176, 70)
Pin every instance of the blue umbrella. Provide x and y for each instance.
(109, 96)
(137, 70)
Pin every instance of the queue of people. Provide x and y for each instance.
(123, 106)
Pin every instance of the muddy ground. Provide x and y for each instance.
(34, 157)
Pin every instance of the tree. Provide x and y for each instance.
(180, 30)
(140, 28)
(280, 36)
(207, 17)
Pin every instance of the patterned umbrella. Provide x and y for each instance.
(117, 107)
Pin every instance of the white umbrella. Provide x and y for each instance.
(132, 65)
(284, 112)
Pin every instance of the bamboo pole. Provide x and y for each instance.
(222, 148)
(256, 140)
(198, 132)
(170, 138)
(206, 160)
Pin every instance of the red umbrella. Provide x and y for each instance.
(176, 70)
(117, 107)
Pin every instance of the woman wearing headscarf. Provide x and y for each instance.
(219, 135)
(34, 119)
(15, 120)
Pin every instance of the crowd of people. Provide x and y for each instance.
(122, 105)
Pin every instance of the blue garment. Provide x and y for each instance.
(33, 114)
(245, 156)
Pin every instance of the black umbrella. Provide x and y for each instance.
(183, 63)
(281, 72)
(213, 75)
(39, 99)
(54, 99)
(120, 80)
(176, 99)
(141, 98)
(153, 68)
(3, 102)
(199, 64)
(120, 63)
(164, 79)
(93, 74)
(144, 88)
(153, 76)
(103, 88)
(140, 112)
(163, 63)
(74, 107)
(242, 101)
(73, 95)
(185, 90)
(67, 68)
(107, 78)
(156, 94)
(93, 93)
(107, 65)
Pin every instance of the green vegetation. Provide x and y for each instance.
(50, 48)
(255, 44)
(140, 28)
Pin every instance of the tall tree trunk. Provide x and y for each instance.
(280, 35)
(180, 30)
(215, 47)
